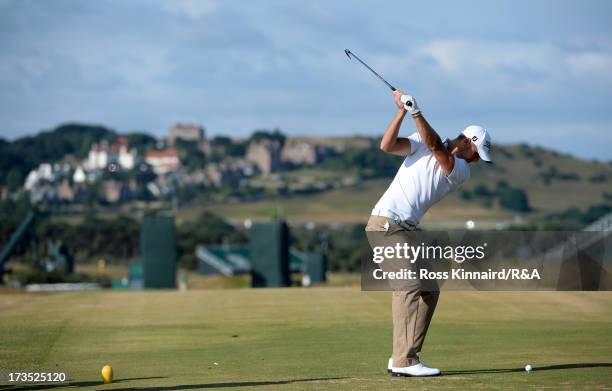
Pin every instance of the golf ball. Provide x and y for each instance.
(470, 224)
(528, 368)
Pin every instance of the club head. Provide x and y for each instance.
(348, 53)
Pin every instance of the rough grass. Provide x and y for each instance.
(303, 339)
(348, 205)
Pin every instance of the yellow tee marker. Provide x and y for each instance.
(107, 374)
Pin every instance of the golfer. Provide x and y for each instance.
(432, 169)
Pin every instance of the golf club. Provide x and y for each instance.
(350, 55)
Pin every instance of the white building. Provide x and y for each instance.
(43, 172)
(127, 156)
(79, 175)
(98, 156)
(103, 154)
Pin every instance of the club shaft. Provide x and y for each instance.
(373, 71)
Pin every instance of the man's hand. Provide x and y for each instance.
(397, 95)
(410, 104)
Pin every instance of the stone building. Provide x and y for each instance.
(187, 132)
(266, 154)
(298, 153)
(228, 171)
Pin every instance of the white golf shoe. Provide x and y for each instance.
(413, 370)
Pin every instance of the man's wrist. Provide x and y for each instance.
(417, 114)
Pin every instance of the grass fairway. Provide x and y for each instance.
(303, 339)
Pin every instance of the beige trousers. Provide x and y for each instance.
(412, 310)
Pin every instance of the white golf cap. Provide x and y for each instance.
(481, 138)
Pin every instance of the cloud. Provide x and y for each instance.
(516, 67)
(461, 56)
(144, 64)
(192, 9)
(591, 64)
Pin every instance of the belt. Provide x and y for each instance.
(391, 215)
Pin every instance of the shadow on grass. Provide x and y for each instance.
(175, 388)
(227, 385)
(544, 368)
(48, 386)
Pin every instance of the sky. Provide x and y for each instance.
(529, 71)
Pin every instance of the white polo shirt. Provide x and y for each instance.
(419, 183)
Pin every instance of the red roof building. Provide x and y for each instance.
(163, 161)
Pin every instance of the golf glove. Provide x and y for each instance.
(410, 104)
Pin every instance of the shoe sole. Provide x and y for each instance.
(407, 375)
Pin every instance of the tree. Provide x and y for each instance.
(482, 191)
(275, 135)
(26, 153)
(141, 141)
(228, 147)
(221, 141)
(368, 162)
(465, 195)
(514, 199)
(14, 179)
(191, 154)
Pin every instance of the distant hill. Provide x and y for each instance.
(552, 180)
(20, 156)
(548, 181)
(553, 183)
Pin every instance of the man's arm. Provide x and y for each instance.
(390, 143)
(432, 140)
